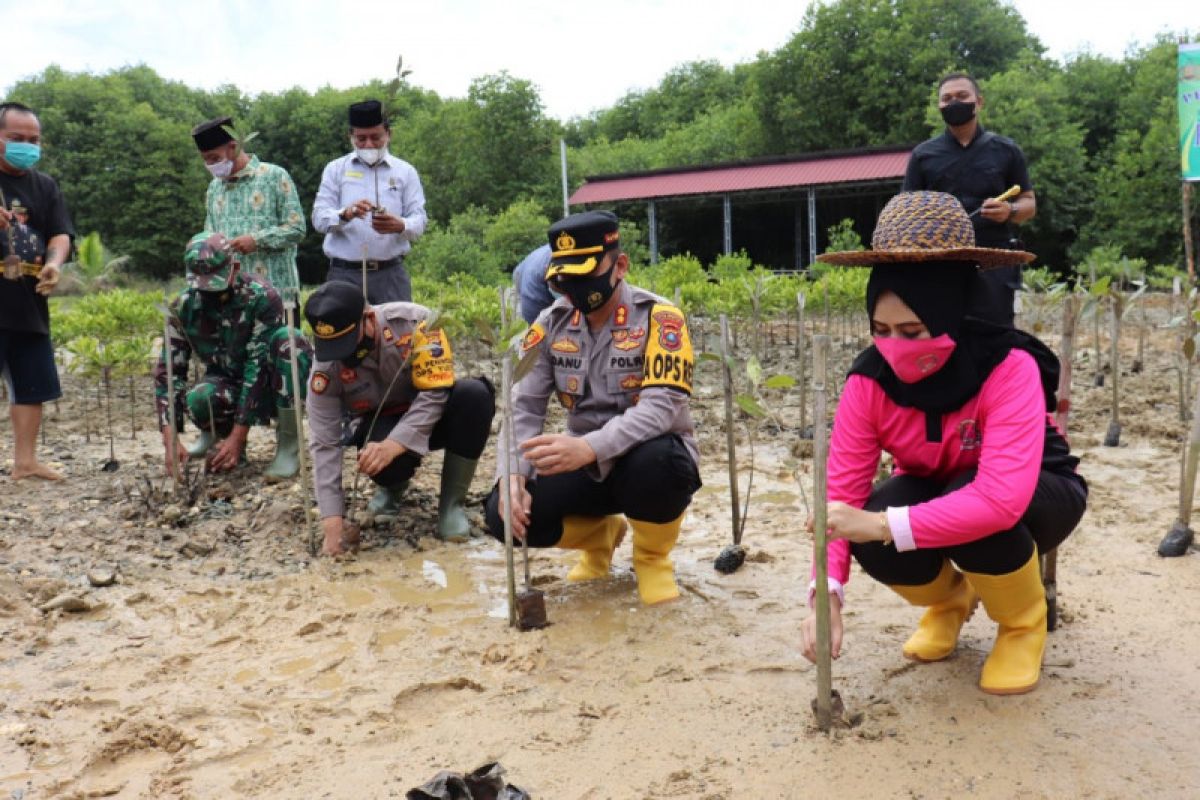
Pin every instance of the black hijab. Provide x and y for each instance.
(938, 292)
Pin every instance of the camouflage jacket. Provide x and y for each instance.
(230, 333)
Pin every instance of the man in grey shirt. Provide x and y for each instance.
(371, 208)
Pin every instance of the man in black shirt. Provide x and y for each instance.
(35, 240)
(977, 166)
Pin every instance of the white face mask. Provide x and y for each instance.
(370, 155)
(221, 169)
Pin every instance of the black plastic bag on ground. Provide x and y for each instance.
(485, 783)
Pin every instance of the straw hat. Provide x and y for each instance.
(925, 226)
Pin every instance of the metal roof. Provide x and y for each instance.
(797, 171)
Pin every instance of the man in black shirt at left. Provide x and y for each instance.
(35, 240)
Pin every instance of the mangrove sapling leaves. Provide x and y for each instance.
(754, 372)
(780, 382)
(750, 406)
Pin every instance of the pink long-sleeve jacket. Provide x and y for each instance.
(1001, 431)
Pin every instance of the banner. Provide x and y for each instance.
(1189, 111)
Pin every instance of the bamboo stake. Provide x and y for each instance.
(1188, 247)
(802, 360)
(366, 297)
(820, 508)
(1112, 437)
(506, 481)
(298, 410)
(173, 447)
(730, 438)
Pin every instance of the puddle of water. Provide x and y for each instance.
(329, 680)
(244, 676)
(353, 596)
(422, 582)
(391, 638)
(295, 666)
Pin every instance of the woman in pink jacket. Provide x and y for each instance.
(983, 480)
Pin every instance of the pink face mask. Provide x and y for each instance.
(915, 359)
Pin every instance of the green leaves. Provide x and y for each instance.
(750, 406)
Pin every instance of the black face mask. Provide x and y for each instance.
(365, 346)
(589, 292)
(958, 113)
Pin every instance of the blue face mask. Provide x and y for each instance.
(21, 155)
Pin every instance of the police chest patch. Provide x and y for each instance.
(565, 346)
(669, 359)
(348, 375)
(319, 382)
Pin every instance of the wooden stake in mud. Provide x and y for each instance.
(1062, 416)
(1188, 246)
(505, 494)
(730, 438)
(173, 445)
(801, 361)
(298, 410)
(1112, 437)
(366, 297)
(1179, 539)
(820, 501)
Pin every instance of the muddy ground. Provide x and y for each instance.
(222, 661)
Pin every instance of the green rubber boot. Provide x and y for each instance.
(202, 445)
(384, 505)
(287, 448)
(457, 473)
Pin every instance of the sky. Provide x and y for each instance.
(582, 56)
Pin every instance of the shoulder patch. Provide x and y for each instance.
(319, 382)
(669, 360)
(433, 362)
(533, 337)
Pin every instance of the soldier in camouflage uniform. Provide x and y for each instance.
(394, 378)
(233, 323)
(619, 359)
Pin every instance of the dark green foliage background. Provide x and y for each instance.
(1099, 133)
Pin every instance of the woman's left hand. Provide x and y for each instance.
(847, 522)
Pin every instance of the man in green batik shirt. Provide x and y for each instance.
(233, 324)
(254, 204)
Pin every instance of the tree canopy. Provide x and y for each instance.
(1098, 133)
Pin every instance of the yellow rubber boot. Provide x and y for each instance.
(1017, 601)
(652, 543)
(950, 600)
(597, 537)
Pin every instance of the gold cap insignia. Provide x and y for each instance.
(565, 241)
(324, 329)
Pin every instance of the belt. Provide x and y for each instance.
(24, 268)
(372, 265)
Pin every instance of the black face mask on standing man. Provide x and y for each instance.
(958, 113)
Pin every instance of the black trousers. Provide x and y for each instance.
(463, 429)
(1057, 505)
(653, 482)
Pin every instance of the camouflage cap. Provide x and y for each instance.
(209, 262)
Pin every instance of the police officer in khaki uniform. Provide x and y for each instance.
(384, 357)
(619, 359)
